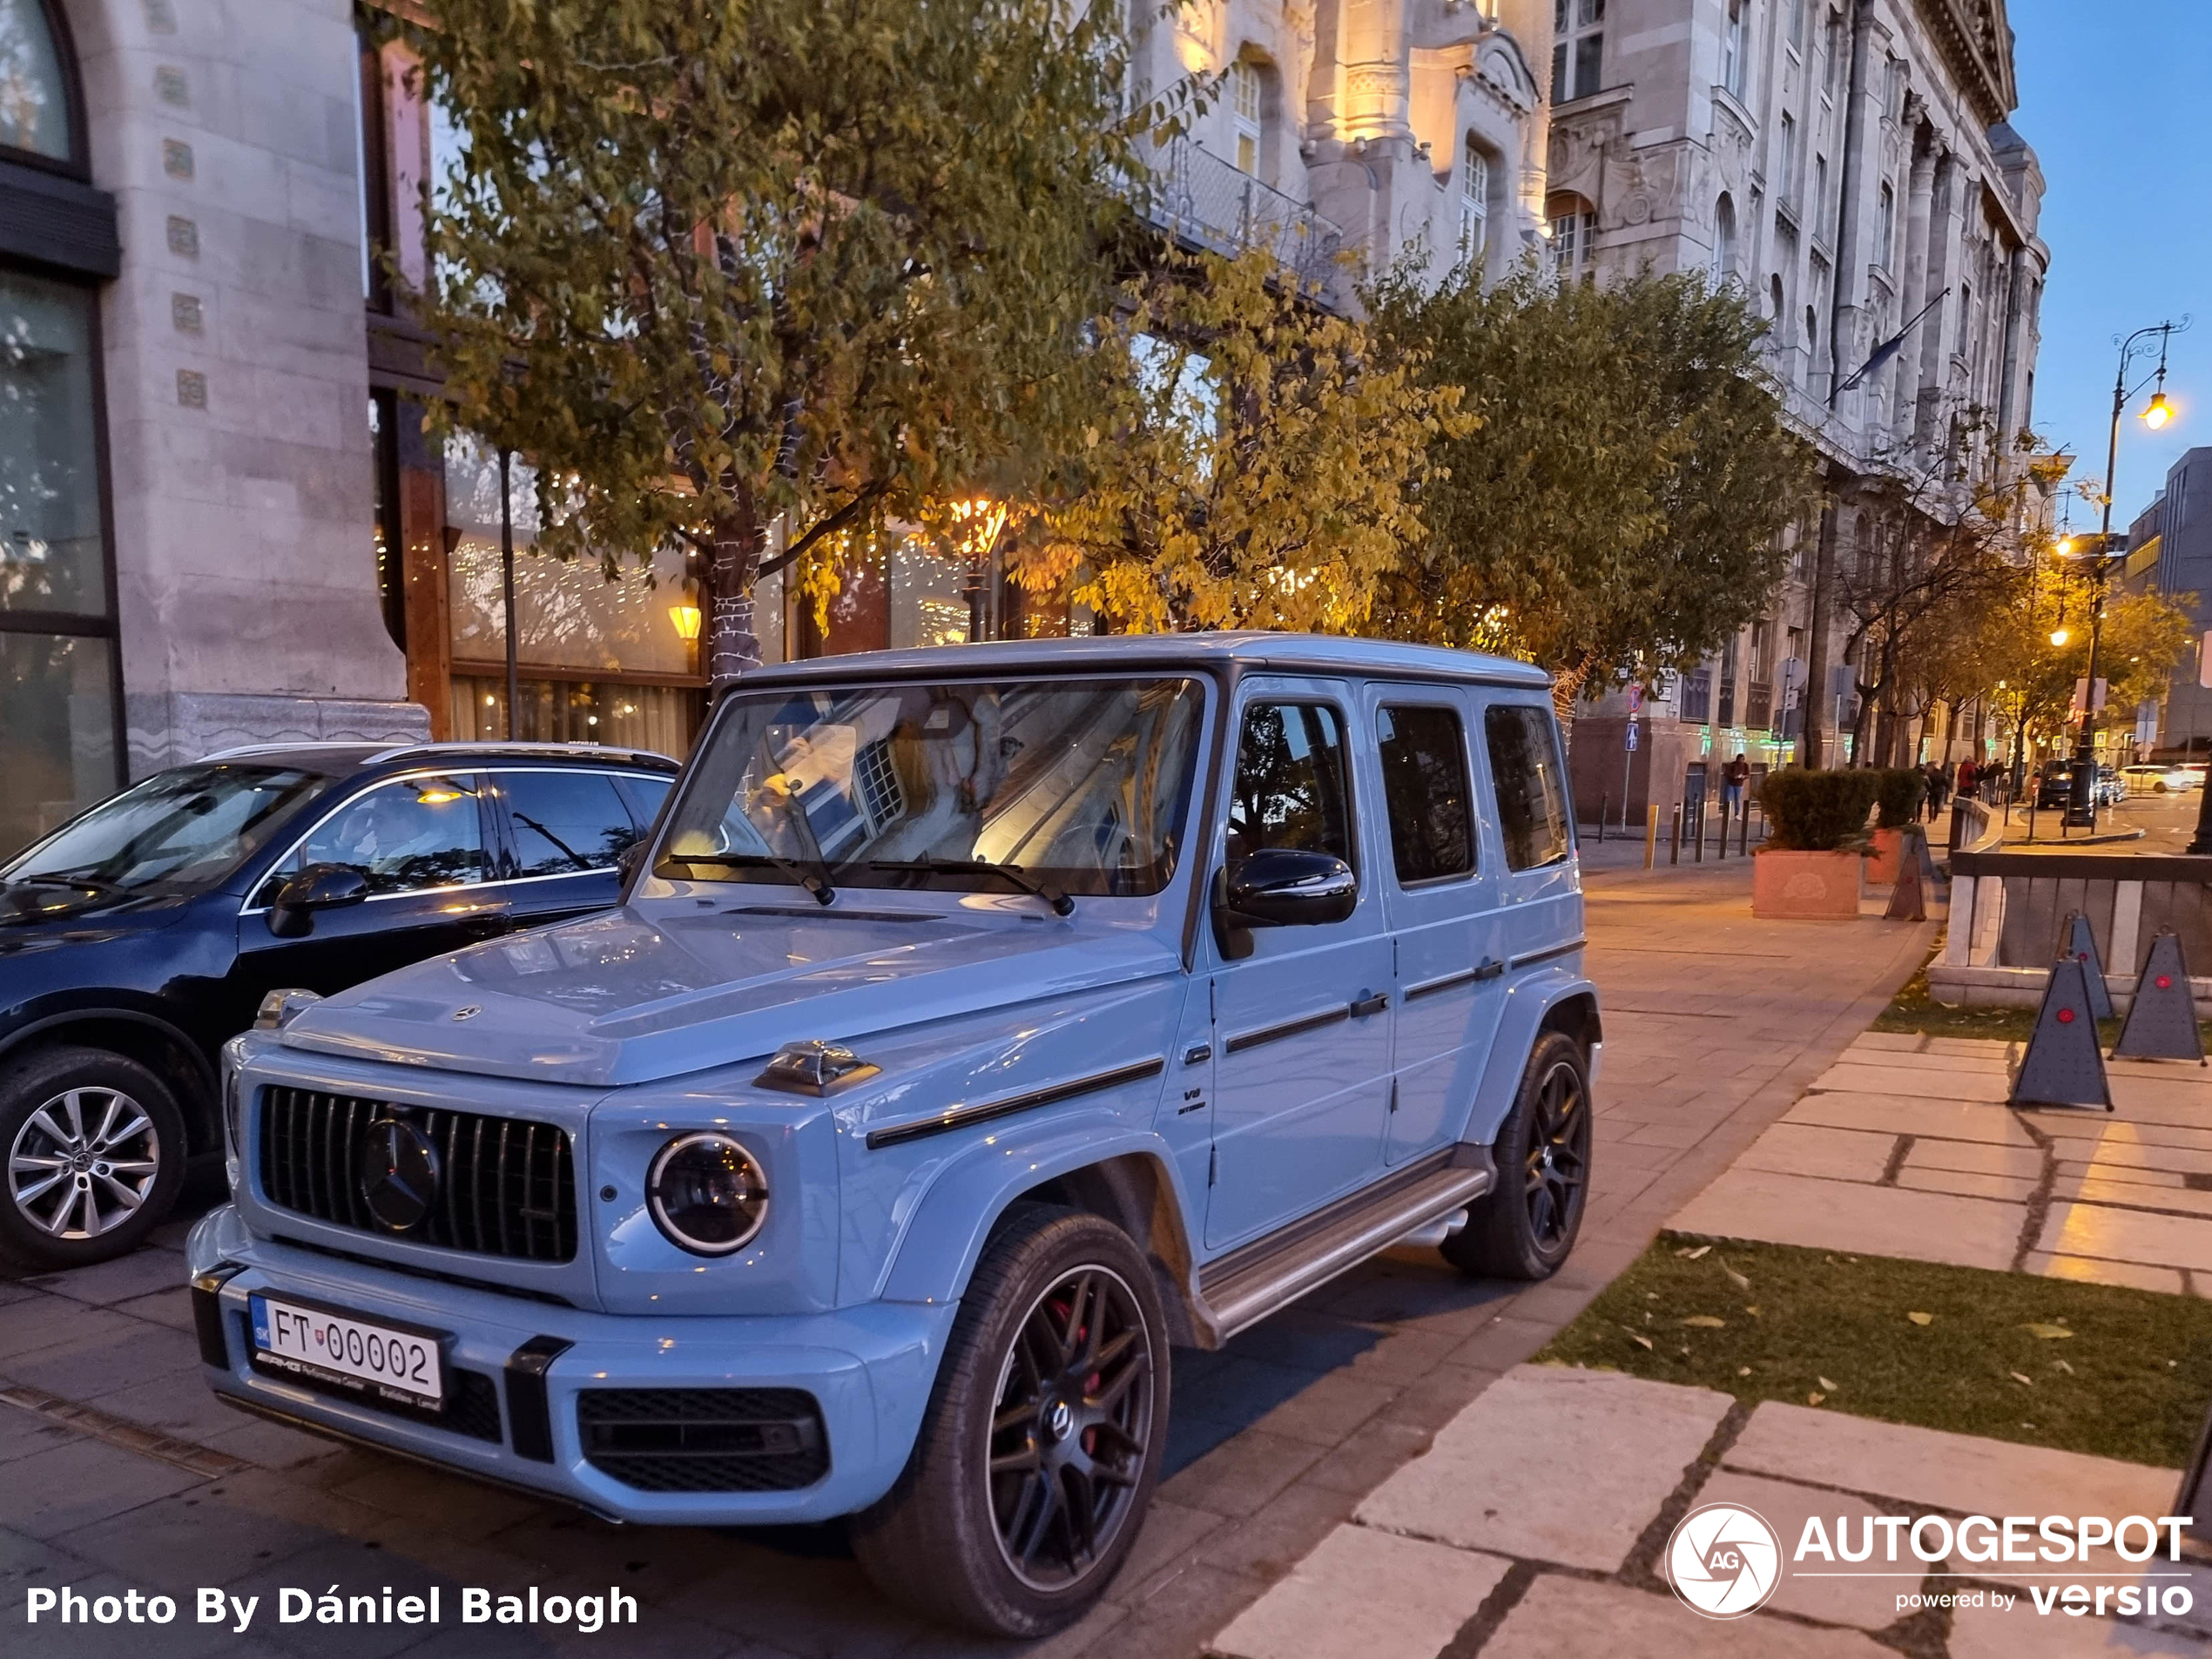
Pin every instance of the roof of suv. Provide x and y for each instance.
(1318, 653)
(337, 758)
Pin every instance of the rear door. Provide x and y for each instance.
(1301, 1033)
(565, 825)
(1440, 900)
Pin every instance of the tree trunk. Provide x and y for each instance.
(1814, 702)
(1567, 687)
(732, 566)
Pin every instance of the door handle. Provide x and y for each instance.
(1367, 1005)
(1490, 968)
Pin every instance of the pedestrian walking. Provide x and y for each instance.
(1969, 778)
(1938, 786)
(1734, 776)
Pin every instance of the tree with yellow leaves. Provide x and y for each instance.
(1255, 461)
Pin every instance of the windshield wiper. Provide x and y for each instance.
(69, 879)
(1061, 903)
(815, 881)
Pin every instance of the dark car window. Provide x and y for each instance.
(644, 796)
(565, 822)
(180, 829)
(1531, 784)
(405, 836)
(1290, 782)
(1424, 788)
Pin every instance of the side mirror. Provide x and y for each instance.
(319, 886)
(1285, 886)
(629, 861)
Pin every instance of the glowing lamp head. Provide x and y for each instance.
(686, 618)
(2158, 412)
(2060, 636)
(2066, 547)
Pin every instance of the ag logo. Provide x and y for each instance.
(1723, 1561)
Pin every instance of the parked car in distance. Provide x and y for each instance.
(2156, 779)
(135, 939)
(980, 1022)
(2054, 785)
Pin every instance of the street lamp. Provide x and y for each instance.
(2081, 809)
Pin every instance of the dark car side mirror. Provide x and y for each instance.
(1280, 886)
(319, 886)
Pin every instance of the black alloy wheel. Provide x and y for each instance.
(1071, 1428)
(1526, 1226)
(1043, 1436)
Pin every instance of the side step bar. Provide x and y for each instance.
(1246, 1285)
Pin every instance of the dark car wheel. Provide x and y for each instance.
(1527, 1225)
(1043, 1438)
(95, 1147)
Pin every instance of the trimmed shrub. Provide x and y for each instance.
(1902, 791)
(1817, 812)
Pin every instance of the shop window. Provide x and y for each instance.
(619, 714)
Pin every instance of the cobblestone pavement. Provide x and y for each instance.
(117, 1469)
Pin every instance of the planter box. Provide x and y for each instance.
(1805, 887)
(1886, 859)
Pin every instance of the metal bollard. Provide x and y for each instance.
(1651, 838)
(1674, 836)
(1698, 845)
(1720, 852)
(1744, 831)
(1604, 805)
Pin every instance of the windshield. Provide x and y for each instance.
(1080, 784)
(181, 829)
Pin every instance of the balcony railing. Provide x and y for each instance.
(1206, 203)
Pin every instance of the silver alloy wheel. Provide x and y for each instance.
(83, 1163)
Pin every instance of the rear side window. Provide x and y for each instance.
(1531, 784)
(1290, 782)
(1425, 788)
(408, 836)
(565, 822)
(644, 797)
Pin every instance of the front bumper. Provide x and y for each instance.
(869, 1369)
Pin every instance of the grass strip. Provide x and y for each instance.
(2096, 1368)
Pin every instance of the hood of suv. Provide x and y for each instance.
(630, 997)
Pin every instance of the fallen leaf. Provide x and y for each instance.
(2024, 1382)
(1651, 1296)
(1751, 1308)
(1831, 1387)
(1743, 1371)
(1735, 1278)
(1814, 1399)
(1688, 1254)
(1921, 1319)
(1683, 1350)
(2062, 1366)
(1641, 1341)
(1706, 1322)
(2048, 1333)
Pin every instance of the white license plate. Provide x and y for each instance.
(399, 1364)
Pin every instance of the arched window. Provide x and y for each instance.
(1812, 337)
(1774, 300)
(1475, 202)
(1247, 103)
(1723, 240)
(35, 113)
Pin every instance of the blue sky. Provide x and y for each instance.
(2113, 97)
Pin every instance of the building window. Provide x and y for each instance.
(1723, 240)
(1886, 228)
(1798, 23)
(57, 693)
(1574, 236)
(1244, 104)
(1578, 48)
(1786, 162)
(35, 113)
(1475, 204)
(1818, 206)
(1732, 62)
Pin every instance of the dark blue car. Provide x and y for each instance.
(136, 938)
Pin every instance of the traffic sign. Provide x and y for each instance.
(1633, 729)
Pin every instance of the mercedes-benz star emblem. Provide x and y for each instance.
(469, 1012)
(399, 1179)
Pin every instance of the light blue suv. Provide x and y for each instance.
(981, 1022)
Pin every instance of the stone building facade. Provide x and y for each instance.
(1850, 164)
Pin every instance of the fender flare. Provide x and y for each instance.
(203, 1071)
(944, 1235)
(1530, 1003)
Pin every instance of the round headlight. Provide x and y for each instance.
(706, 1193)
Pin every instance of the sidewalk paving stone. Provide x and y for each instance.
(1971, 1184)
(1414, 1597)
(2127, 1236)
(1615, 1447)
(1847, 1215)
(1811, 1149)
(1980, 1633)
(1946, 1119)
(2089, 1270)
(1563, 1618)
(1869, 1604)
(1964, 1473)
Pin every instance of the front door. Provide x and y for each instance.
(423, 844)
(1442, 907)
(1302, 1025)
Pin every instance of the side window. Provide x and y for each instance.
(565, 822)
(1291, 788)
(1531, 784)
(1425, 788)
(406, 836)
(643, 796)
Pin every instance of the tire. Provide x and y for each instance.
(1526, 1227)
(978, 1531)
(62, 1202)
